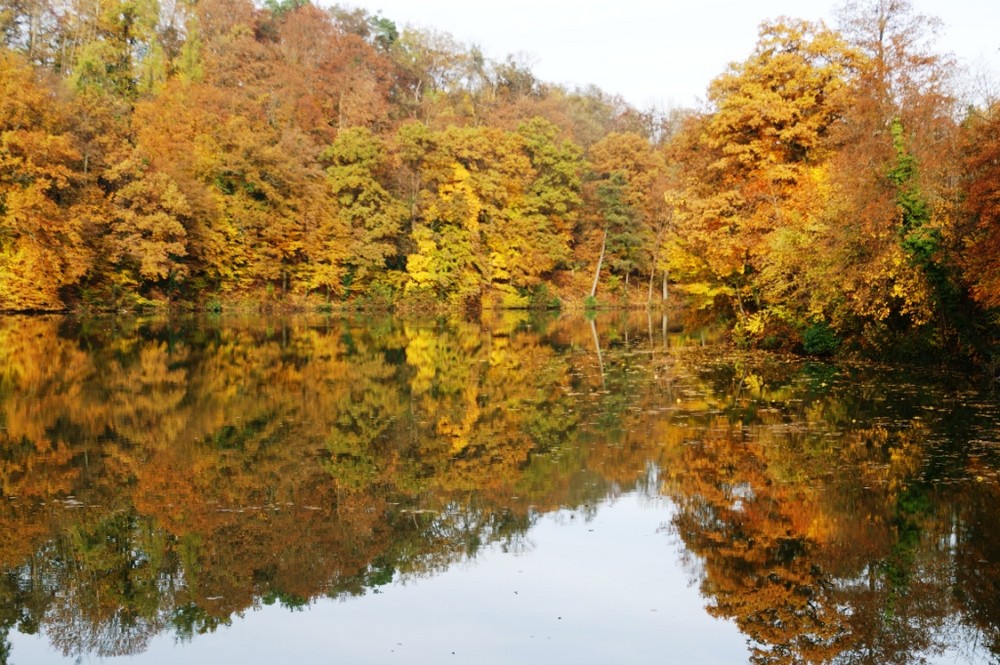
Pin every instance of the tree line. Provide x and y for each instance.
(835, 190)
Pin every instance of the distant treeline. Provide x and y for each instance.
(836, 191)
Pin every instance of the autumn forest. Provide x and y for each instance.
(838, 191)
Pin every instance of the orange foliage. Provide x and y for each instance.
(982, 203)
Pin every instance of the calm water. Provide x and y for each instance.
(522, 490)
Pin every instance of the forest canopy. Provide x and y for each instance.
(833, 191)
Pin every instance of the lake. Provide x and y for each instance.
(521, 489)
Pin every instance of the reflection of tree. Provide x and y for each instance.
(977, 569)
(167, 477)
(823, 541)
(98, 588)
(189, 474)
(755, 539)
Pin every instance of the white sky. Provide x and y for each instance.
(661, 53)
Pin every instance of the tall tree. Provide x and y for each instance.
(330, 79)
(981, 232)
(149, 224)
(899, 155)
(46, 206)
(630, 199)
(368, 219)
(472, 222)
(753, 202)
(29, 27)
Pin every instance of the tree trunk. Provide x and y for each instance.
(652, 268)
(649, 293)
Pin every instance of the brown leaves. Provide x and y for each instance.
(982, 204)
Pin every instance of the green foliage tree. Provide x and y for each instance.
(555, 197)
(629, 200)
(369, 214)
(623, 239)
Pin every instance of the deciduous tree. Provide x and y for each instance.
(367, 219)
(46, 206)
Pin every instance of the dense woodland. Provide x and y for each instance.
(838, 190)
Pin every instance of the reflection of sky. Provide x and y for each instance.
(608, 590)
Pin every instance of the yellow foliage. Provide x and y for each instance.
(755, 323)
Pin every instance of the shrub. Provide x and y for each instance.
(819, 339)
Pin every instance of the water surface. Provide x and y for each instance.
(514, 490)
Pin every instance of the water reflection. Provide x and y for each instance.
(164, 477)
